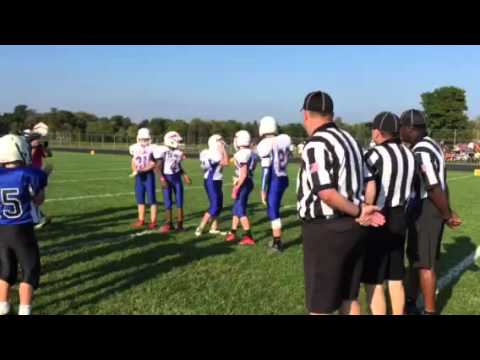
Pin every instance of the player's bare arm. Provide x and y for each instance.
(240, 181)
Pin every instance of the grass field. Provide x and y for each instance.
(93, 263)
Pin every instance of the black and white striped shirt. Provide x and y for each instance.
(392, 166)
(331, 158)
(431, 164)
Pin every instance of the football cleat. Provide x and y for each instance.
(230, 237)
(152, 226)
(166, 228)
(138, 224)
(198, 232)
(247, 240)
(275, 247)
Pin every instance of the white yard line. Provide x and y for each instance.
(460, 177)
(453, 274)
(126, 169)
(85, 197)
(88, 180)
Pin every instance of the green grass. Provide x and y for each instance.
(92, 266)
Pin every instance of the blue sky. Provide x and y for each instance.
(232, 82)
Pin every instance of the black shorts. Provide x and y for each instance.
(385, 249)
(18, 246)
(333, 260)
(424, 237)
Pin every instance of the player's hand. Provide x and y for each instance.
(235, 192)
(454, 222)
(133, 174)
(264, 198)
(163, 183)
(48, 169)
(187, 179)
(371, 216)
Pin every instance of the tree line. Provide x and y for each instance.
(444, 108)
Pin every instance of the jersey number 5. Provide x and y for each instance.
(11, 204)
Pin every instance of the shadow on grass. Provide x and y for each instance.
(460, 249)
(126, 272)
(285, 215)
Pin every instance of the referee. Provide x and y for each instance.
(429, 211)
(329, 194)
(392, 166)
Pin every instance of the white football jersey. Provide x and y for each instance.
(210, 164)
(172, 159)
(245, 156)
(142, 155)
(274, 152)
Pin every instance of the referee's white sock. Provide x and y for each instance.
(25, 310)
(4, 308)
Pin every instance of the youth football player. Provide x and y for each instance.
(245, 162)
(20, 185)
(143, 165)
(212, 162)
(170, 159)
(274, 151)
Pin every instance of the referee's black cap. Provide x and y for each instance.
(319, 102)
(412, 118)
(386, 121)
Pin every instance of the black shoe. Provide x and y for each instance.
(425, 312)
(275, 247)
(411, 308)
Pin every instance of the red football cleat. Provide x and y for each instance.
(230, 237)
(138, 224)
(152, 226)
(247, 240)
(165, 229)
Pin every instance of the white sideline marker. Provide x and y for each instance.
(112, 195)
(453, 273)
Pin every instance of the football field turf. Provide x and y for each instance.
(93, 263)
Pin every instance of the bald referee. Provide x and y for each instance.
(392, 166)
(330, 185)
(429, 210)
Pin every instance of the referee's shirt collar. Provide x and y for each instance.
(394, 140)
(324, 127)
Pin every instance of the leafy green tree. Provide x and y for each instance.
(445, 108)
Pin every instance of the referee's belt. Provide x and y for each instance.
(324, 217)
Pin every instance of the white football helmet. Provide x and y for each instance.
(242, 138)
(268, 125)
(300, 148)
(14, 148)
(172, 139)
(214, 141)
(41, 128)
(143, 137)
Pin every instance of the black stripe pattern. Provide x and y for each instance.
(331, 158)
(392, 166)
(431, 163)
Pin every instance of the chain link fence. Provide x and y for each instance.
(457, 144)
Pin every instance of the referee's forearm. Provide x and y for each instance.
(370, 193)
(440, 200)
(336, 201)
